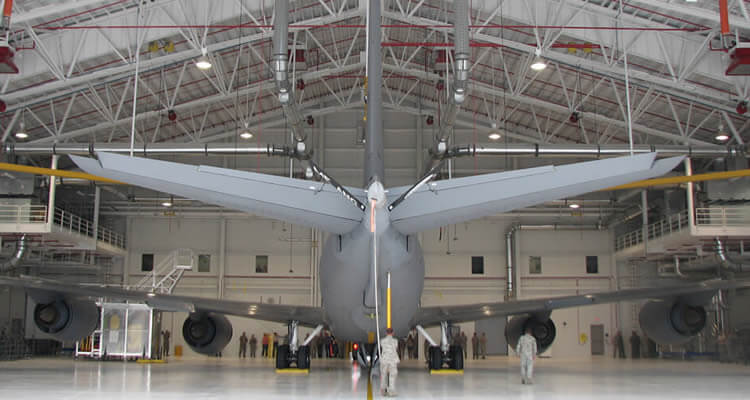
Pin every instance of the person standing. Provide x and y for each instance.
(483, 346)
(526, 349)
(243, 345)
(619, 345)
(314, 347)
(253, 345)
(464, 343)
(165, 341)
(474, 346)
(635, 346)
(426, 349)
(275, 344)
(410, 346)
(264, 352)
(388, 363)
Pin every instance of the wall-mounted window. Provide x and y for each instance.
(477, 264)
(147, 262)
(204, 263)
(535, 265)
(592, 264)
(261, 264)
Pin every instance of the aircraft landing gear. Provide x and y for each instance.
(444, 357)
(294, 354)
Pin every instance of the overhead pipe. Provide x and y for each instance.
(725, 262)
(154, 149)
(594, 151)
(512, 150)
(461, 69)
(21, 247)
(280, 65)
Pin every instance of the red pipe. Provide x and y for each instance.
(493, 45)
(8, 10)
(392, 26)
(724, 14)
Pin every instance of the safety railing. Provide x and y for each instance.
(64, 220)
(671, 224)
(23, 214)
(722, 216)
(708, 217)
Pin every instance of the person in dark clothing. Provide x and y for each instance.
(165, 340)
(253, 345)
(635, 345)
(243, 345)
(619, 343)
(275, 343)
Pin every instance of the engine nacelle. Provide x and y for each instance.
(207, 333)
(542, 329)
(671, 322)
(66, 319)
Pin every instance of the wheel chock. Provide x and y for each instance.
(446, 372)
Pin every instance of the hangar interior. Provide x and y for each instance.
(550, 82)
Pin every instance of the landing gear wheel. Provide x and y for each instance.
(436, 358)
(303, 357)
(457, 357)
(282, 357)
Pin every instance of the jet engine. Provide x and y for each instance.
(207, 333)
(543, 329)
(671, 322)
(66, 319)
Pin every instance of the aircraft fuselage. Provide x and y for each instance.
(346, 279)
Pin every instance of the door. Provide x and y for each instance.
(597, 340)
(495, 330)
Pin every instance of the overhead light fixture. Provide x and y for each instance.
(168, 203)
(246, 134)
(574, 206)
(494, 136)
(21, 134)
(203, 62)
(539, 64)
(721, 136)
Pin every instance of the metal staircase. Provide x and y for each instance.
(165, 276)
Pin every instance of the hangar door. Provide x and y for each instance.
(495, 330)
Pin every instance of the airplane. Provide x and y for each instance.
(372, 242)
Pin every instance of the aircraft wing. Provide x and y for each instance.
(428, 316)
(307, 316)
(296, 201)
(446, 202)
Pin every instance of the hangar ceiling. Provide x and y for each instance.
(78, 61)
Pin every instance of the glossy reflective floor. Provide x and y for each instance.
(227, 378)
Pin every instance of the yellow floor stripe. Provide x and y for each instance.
(369, 386)
(446, 372)
(292, 371)
(144, 361)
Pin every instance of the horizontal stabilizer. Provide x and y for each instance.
(307, 203)
(452, 201)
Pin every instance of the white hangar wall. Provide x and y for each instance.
(233, 242)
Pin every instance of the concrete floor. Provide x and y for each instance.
(228, 378)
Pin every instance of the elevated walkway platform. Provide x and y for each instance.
(675, 234)
(63, 230)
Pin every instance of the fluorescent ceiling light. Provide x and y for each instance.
(21, 135)
(722, 137)
(167, 204)
(574, 205)
(494, 136)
